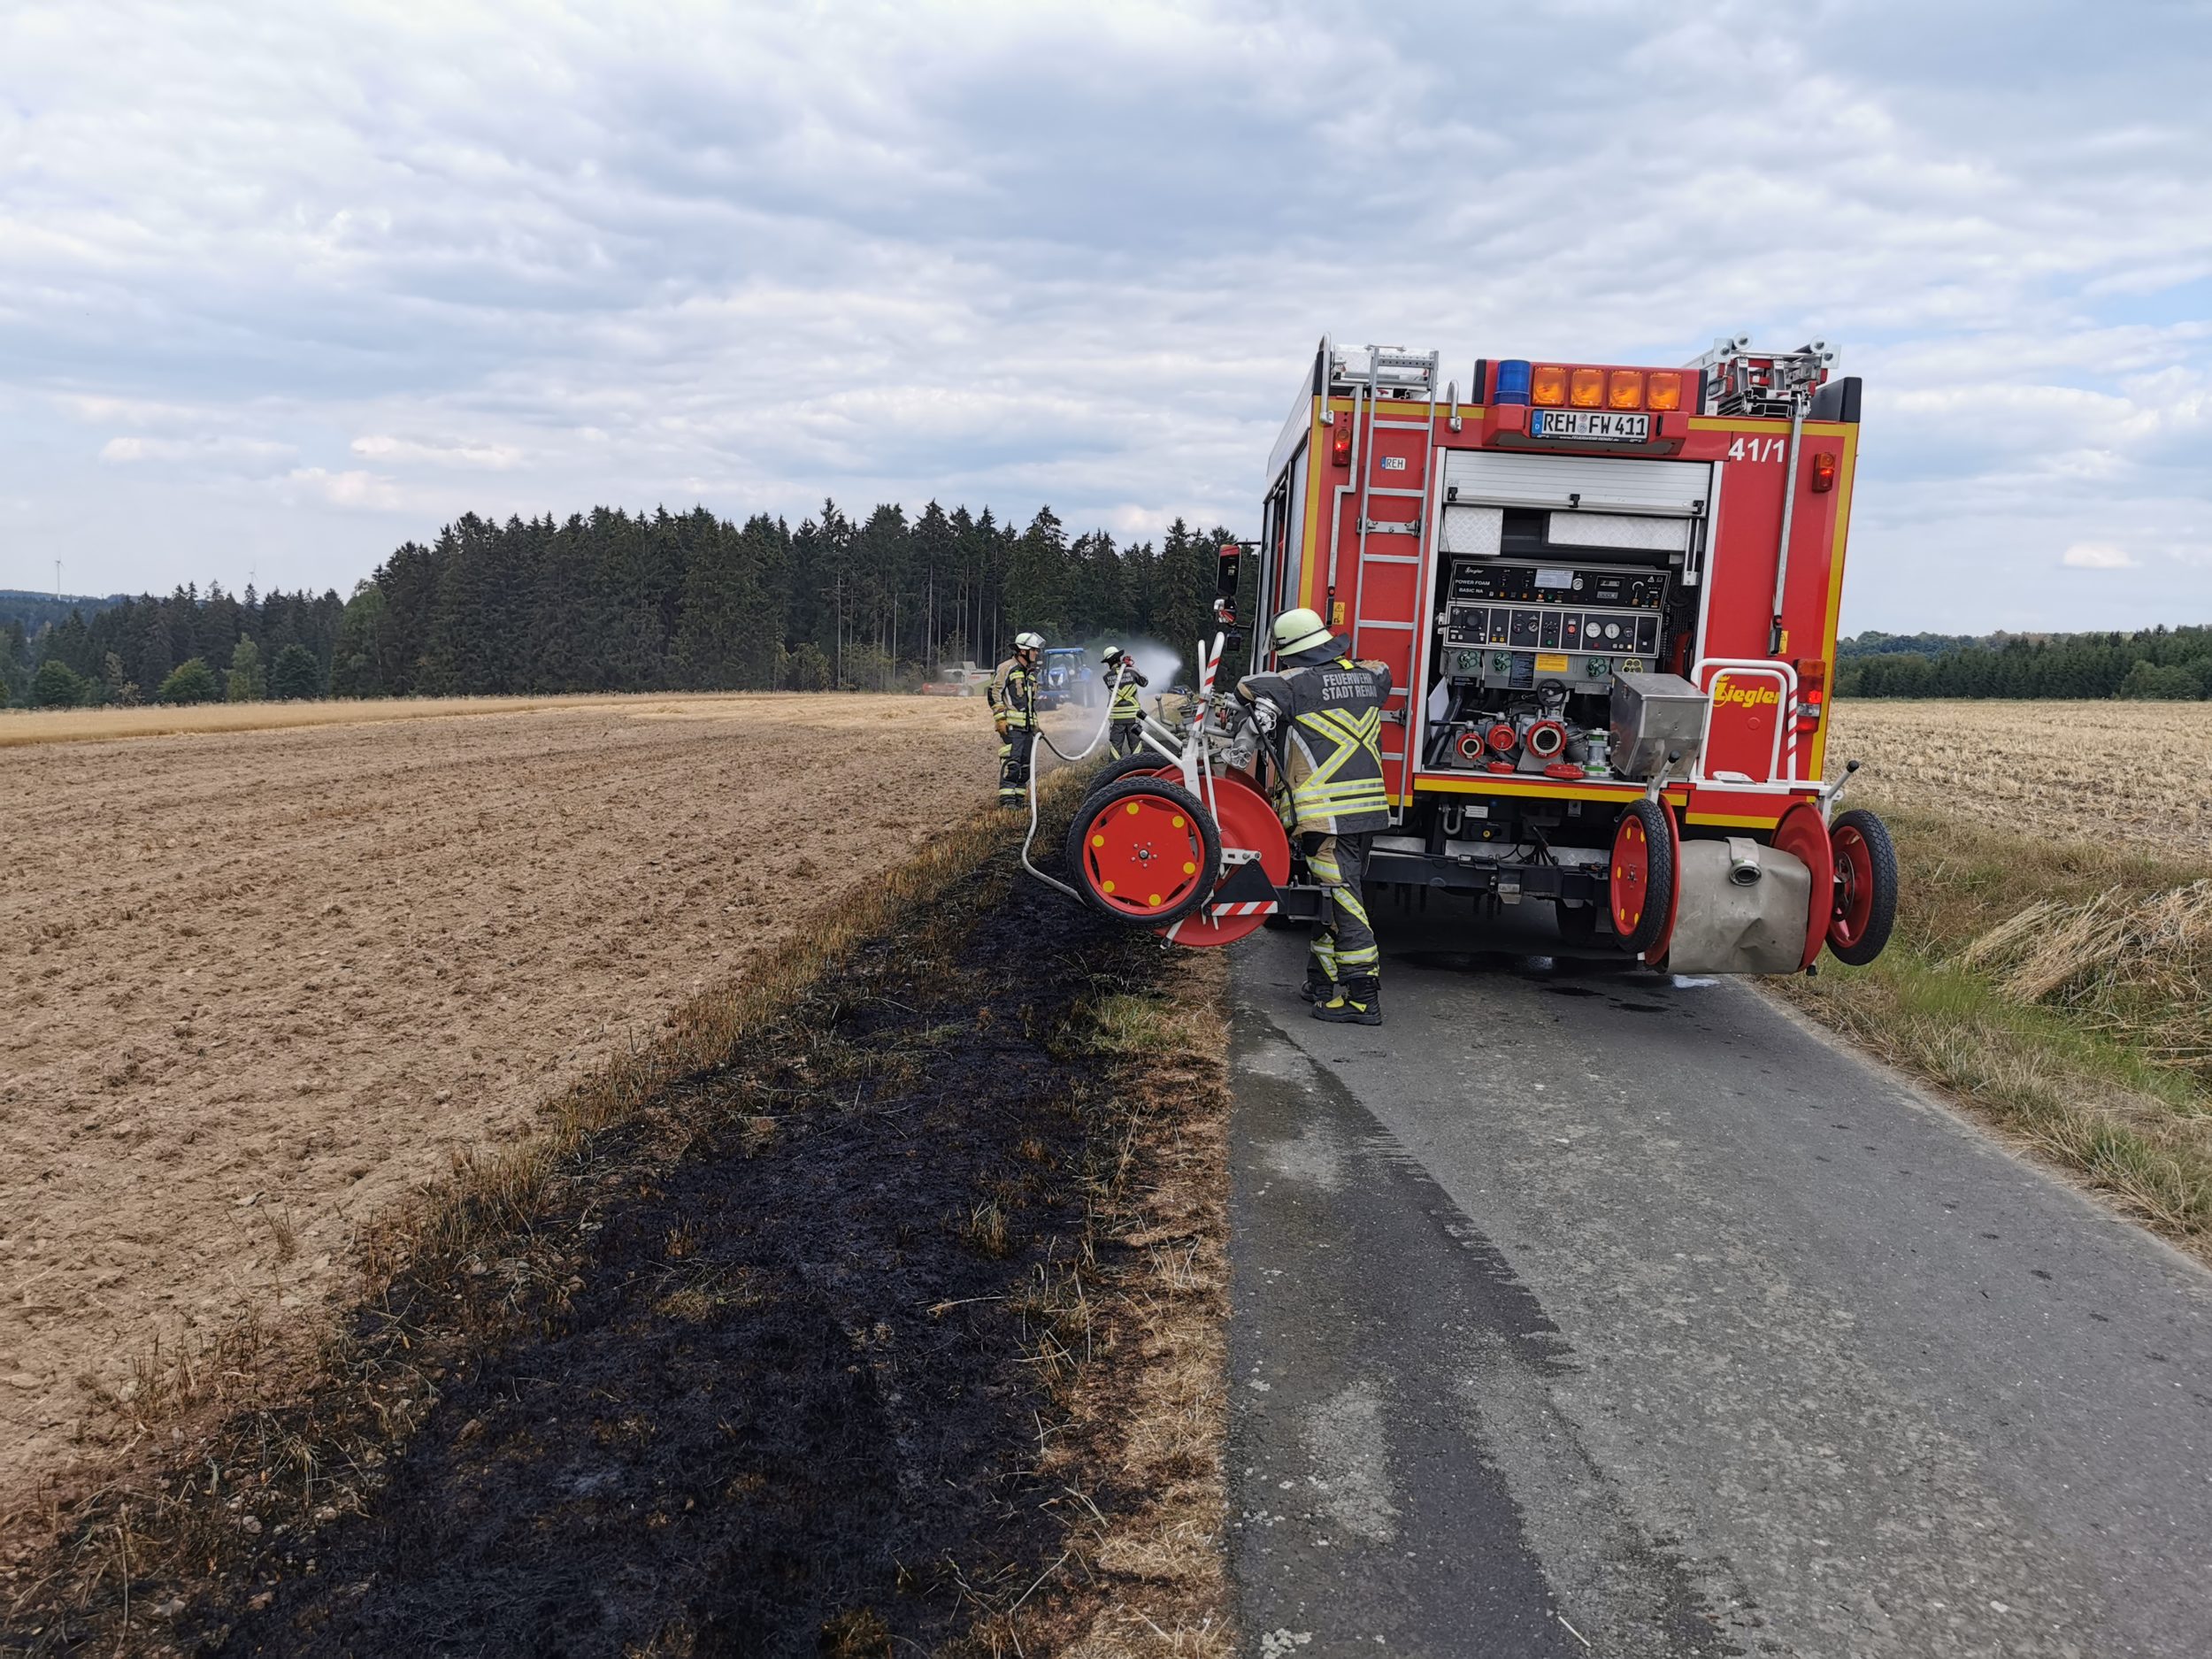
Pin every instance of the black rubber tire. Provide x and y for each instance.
(1659, 886)
(1114, 770)
(1100, 800)
(1882, 909)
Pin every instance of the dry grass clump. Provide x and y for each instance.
(2130, 773)
(2140, 966)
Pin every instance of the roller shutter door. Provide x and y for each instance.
(1593, 483)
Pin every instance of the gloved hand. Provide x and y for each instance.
(1000, 722)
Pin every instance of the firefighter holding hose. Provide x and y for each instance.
(1013, 694)
(1127, 714)
(1323, 713)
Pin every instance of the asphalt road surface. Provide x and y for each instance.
(1588, 1312)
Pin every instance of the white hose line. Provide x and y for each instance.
(1097, 737)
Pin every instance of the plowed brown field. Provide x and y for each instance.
(253, 985)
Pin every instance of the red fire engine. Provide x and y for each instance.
(1606, 596)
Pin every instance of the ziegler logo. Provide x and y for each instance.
(1727, 691)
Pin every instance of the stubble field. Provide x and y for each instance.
(256, 985)
(2136, 773)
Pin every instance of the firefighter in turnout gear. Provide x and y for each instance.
(1013, 694)
(1324, 712)
(1128, 714)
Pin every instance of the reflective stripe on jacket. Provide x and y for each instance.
(1331, 733)
(1125, 705)
(1013, 693)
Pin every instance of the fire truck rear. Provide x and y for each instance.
(1607, 598)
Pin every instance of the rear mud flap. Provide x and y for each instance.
(1245, 892)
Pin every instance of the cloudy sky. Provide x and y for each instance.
(283, 285)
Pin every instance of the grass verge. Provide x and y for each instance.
(2059, 989)
(1147, 1431)
(879, 1300)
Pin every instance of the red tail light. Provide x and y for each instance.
(1341, 440)
(1823, 471)
(1812, 690)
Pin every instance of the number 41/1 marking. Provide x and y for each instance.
(1757, 450)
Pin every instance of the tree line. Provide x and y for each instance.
(615, 600)
(34, 612)
(2170, 664)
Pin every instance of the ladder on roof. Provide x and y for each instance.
(1769, 385)
(1766, 385)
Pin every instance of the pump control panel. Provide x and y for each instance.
(1508, 625)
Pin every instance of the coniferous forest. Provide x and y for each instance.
(2155, 662)
(615, 601)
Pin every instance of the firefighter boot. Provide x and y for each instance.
(1358, 1003)
(1318, 987)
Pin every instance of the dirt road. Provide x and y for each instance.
(255, 985)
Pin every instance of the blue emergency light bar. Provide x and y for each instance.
(1513, 379)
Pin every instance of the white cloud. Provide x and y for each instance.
(2097, 555)
(131, 411)
(492, 457)
(355, 491)
(224, 453)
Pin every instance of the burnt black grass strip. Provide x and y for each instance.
(598, 1473)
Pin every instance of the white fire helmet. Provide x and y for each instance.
(1027, 642)
(1299, 630)
(1110, 655)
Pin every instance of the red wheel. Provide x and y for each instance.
(1248, 819)
(1865, 886)
(1143, 850)
(1642, 885)
(1802, 834)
